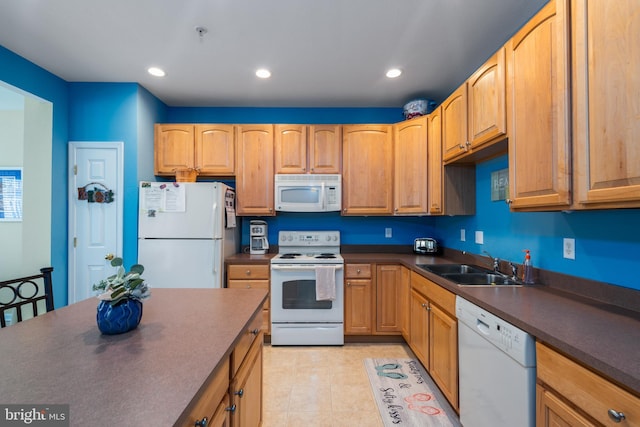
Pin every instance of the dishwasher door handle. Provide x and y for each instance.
(482, 327)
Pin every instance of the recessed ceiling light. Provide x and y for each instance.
(263, 73)
(155, 71)
(394, 72)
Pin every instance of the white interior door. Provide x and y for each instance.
(95, 227)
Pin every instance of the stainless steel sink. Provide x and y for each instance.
(441, 269)
(469, 275)
(481, 279)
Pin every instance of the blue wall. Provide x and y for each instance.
(23, 74)
(607, 241)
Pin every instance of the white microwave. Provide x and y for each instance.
(308, 192)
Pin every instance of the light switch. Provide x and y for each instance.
(463, 235)
(479, 237)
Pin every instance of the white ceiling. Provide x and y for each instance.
(322, 53)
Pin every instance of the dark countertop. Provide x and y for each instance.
(147, 376)
(603, 336)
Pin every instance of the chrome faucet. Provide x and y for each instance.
(514, 271)
(496, 262)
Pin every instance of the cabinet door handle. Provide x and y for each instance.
(231, 408)
(201, 423)
(424, 305)
(239, 392)
(616, 416)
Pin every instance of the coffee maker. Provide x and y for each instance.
(258, 236)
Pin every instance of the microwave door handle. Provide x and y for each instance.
(323, 202)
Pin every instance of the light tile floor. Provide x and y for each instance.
(322, 386)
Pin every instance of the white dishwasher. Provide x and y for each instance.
(496, 370)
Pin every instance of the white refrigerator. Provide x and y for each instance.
(185, 231)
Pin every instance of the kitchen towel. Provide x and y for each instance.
(325, 283)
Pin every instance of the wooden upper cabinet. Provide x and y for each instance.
(486, 89)
(454, 124)
(307, 149)
(215, 149)
(290, 149)
(209, 149)
(325, 148)
(254, 171)
(174, 149)
(434, 163)
(452, 187)
(367, 178)
(538, 113)
(410, 167)
(606, 108)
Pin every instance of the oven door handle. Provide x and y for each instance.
(303, 267)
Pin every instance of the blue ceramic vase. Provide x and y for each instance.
(119, 318)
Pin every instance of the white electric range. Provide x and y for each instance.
(297, 317)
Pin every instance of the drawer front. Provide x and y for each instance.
(245, 342)
(357, 271)
(248, 271)
(209, 400)
(251, 284)
(585, 389)
(435, 293)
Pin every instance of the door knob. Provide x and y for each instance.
(109, 257)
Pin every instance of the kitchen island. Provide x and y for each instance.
(149, 376)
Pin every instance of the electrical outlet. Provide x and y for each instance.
(463, 235)
(388, 233)
(480, 237)
(569, 248)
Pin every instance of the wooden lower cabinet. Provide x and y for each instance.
(554, 412)
(389, 282)
(246, 388)
(443, 356)
(419, 334)
(252, 276)
(570, 394)
(434, 333)
(220, 417)
(213, 402)
(373, 299)
(358, 299)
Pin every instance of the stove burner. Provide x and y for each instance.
(289, 256)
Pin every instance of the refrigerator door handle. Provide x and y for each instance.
(218, 222)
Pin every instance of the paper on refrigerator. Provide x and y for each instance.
(162, 197)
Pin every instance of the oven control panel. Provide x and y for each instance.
(309, 238)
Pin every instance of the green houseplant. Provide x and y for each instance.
(120, 307)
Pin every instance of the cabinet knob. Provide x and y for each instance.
(616, 416)
(255, 331)
(348, 283)
(201, 423)
(231, 408)
(508, 201)
(467, 143)
(358, 271)
(248, 272)
(248, 286)
(424, 305)
(239, 392)
(461, 146)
